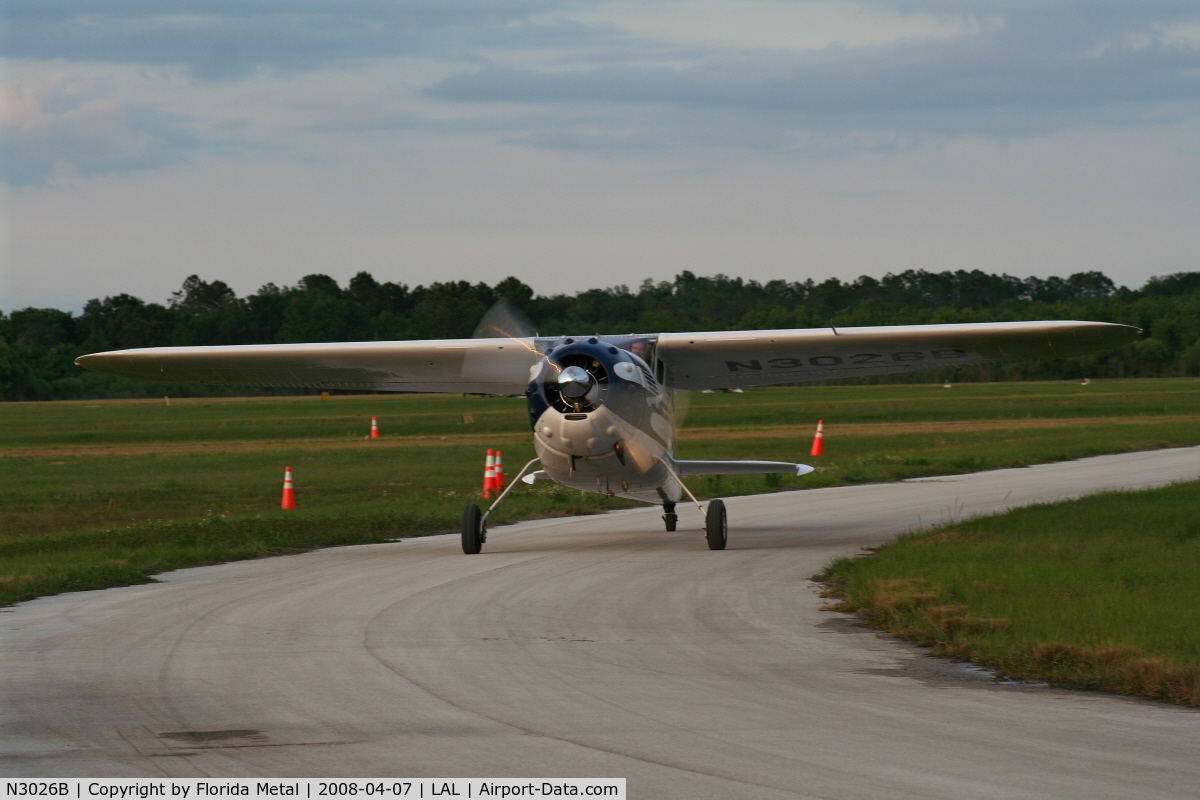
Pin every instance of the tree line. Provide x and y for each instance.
(38, 345)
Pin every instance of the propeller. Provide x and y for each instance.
(508, 363)
(504, 319)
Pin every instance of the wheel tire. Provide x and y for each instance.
(715, 527)
(671, 521)
(472, 530)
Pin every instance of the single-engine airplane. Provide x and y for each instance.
(602, 408)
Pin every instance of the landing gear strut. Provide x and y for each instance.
(715, 528)
(474, 522)
(669, 516)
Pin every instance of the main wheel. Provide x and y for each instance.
(472, 530)
(671, 521)
(715, 527)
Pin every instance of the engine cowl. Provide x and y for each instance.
(574, 377)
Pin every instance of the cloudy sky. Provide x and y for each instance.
(578, 144)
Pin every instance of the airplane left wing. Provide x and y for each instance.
(730, 359)
(489, 366)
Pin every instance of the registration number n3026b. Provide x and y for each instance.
(858, 359)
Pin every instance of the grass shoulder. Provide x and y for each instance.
(67, 560)
(1097, 593)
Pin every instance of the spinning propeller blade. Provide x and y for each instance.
(498, 360)
(504, 319)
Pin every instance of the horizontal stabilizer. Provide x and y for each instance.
(683, 468)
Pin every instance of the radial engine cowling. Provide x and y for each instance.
(600, 421)
(574, 377)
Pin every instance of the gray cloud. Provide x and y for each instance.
(222, 39)
(1032, 67)
(75, 128)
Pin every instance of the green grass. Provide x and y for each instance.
(89, 522)
(933, 403)
(346, 417)
(116, 422)
(106, 493)
(1097, 593)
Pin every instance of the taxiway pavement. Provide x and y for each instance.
(585, 647)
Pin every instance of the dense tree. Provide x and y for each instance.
(124, 321)
(42, 327)
(38, 345)
(207, 313)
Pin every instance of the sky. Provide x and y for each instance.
(578, 144)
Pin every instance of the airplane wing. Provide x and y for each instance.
(490, 366)
(715, 360)
(731, 359)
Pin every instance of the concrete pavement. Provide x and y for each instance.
(595, 646)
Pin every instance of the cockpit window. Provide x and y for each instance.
(641, 346)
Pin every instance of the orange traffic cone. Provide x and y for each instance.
(289, 489)
(489, 474)
(499, 473)
(374, 428)
(819, 440)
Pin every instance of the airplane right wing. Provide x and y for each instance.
(729, 359)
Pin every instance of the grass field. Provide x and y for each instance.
(101, 493)
(1097, 593)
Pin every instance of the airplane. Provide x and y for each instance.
(603, 408)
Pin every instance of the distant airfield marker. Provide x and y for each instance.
(489, 474)
(289, 490)
(818, 447)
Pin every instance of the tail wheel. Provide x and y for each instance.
(715, 526)
(472, 530)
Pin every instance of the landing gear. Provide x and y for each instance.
(715, 527)
(669, 516)
(473, 535)
(474, 523)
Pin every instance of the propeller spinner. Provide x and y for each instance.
(574, 382)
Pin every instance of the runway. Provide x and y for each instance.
(584, 647)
